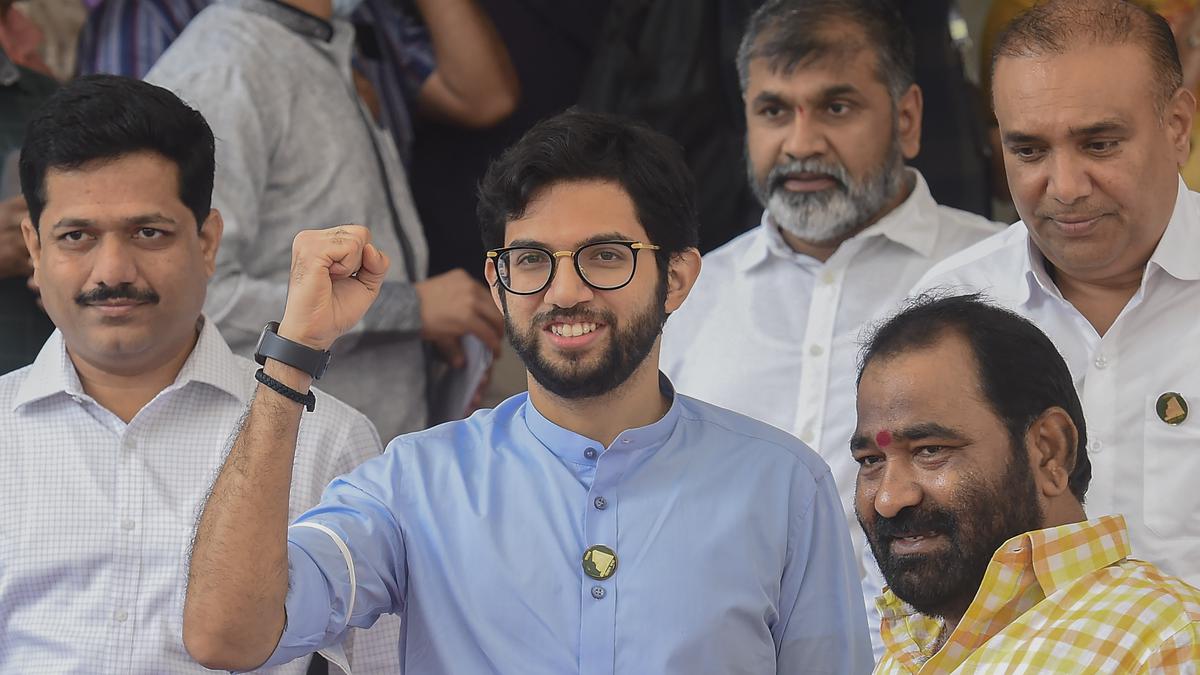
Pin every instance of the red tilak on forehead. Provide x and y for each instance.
(883, 439)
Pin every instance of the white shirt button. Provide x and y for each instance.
(1095, 446)
(127, 525)
(1101, 362)
(827, 278)
(816, 350)
(120, 615)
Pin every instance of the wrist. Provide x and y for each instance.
(298, 335)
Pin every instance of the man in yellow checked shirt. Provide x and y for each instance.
(973, 467)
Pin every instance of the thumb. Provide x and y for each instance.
(374, 266)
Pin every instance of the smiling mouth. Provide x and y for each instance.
(573, 329)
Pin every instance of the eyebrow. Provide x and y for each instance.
(827, 93)
(1101, 127)
(604, 236)
(915, 432)
(134, 221)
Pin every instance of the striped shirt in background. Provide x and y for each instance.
(1061, 600)
(126, 37)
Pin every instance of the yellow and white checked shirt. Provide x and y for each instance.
(1061, 600)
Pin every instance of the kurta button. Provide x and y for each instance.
(598, 592)
(600, 503)
(599, 562)
(590, 453)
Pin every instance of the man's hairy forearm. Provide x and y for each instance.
(238, 577)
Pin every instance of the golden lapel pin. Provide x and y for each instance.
(599, 562)
(1171, 408)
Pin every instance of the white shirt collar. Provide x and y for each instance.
(211, 362)
(913, 224)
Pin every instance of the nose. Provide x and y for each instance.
(897, 490)
(804, 138)
(1068, 181)
(112, 262)
(567, 288)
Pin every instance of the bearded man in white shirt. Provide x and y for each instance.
(112, 436)
(1106, 261)
(831, 113)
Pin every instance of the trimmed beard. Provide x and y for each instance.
(834, 214)
(573, 380)
(976, 524)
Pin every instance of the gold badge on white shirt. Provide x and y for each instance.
(1172, 408)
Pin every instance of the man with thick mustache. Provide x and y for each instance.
(600, 523)
(110, 439)
(1095, 125)
(973, 466)
(831, 114)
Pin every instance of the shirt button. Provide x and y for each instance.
(590, 453)
(827, 278)
(600, 503)
(598, 592)
(127, 525)
(1101, 362)
(1095, 446)
(120, 615)
(626, 441)
(816, 350)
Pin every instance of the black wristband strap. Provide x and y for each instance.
(309, 400)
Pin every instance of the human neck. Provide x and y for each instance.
(322, 9)
(1099, 300)
(637, 402)
(823, 250)
(126, 393)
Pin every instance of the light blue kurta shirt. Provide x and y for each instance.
(733, 555)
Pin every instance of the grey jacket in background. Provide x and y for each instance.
(297, 150)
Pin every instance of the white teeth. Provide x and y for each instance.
(572, 329)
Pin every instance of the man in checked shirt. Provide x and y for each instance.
(110, 439)
(973, 467)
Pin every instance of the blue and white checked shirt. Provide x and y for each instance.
(96, 515)
(733, 555)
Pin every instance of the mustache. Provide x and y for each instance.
(573, 315)
(125, 291)
(911, 521)
(780, 172)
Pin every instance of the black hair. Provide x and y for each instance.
(584, 146)
(101, 118)
(1057, 26)
(1021, 373)
(790, 33)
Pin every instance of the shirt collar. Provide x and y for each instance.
(913, 224)
(295, 19)
(1058, 557)
(573, 447)
(1176, 251)
(211, 362)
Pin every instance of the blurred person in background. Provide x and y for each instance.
(300, 148)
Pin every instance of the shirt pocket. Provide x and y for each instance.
(1171, 455)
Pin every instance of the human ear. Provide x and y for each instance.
(682, 272)
(210, 239)
(1053, 440)
(1177, 119)
(909, 109)
(489, 273)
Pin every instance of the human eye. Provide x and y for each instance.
(150, 233)
(608, 255)
(839, 108)
(530, 258)
(1102, 147)
(930, 451)
(74, 238)
(1026, 153)
(866, 461)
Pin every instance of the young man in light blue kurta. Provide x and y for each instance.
(600, 523)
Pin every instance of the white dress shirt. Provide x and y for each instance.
(96, 515)
(1142, 467)
(774, 334)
